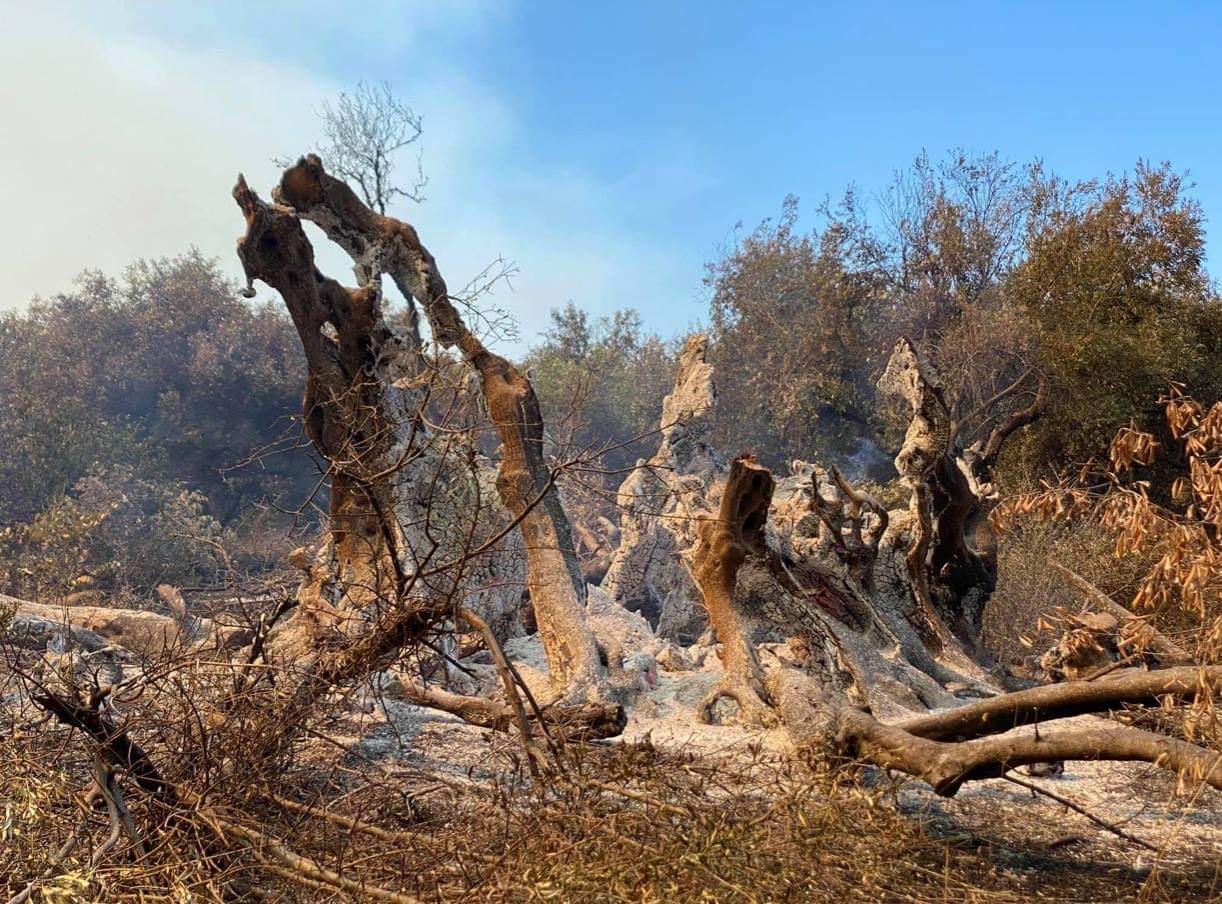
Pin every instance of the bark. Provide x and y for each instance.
(382, 244)
(828, 577)
(582, 721)
(1061, 701)
(724, 544)
(357, 414)
(402, 496)
(948, 766)
(940, 498)
(946, 749)
(663, 499)
(594, 548)
(845, 519)
(401, 554)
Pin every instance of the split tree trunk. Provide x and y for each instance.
(404, 553)
(358, 414)
(662, 501)
(857, 590)
(853, 585)
(378, 244)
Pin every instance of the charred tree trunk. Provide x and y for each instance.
(857, 590)
(403, 553)
(827, 575)
(378, 244)
(357, 414)
(881, 606)
(941, 502)
(948, 748)
(724, 544)
(663, 500)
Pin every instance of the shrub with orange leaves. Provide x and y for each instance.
(1182, 537)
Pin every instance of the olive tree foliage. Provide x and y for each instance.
(1023, 291)
(116, 532)
(939, 236)
(1020, 288)
(1116, 297)
(940, 239)
(790, 326)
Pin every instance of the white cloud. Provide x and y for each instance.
(120, 143)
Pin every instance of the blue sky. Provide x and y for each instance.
(608, 149)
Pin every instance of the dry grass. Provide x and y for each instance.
(620, 823)
(1030, 589)
(262, 799)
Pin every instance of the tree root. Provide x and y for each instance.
(754, 709)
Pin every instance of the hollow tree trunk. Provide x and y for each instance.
(941, 502)
(405, 554)
(849, 583)
(662, 500)
(946, 749)
(723, 545)
(357, 412)
(405, 504)
(378, 244)
(862, 594)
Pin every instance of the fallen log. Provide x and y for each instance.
(947, 766)
(1065, 700)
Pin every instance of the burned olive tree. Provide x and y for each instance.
(525, 480)
(869, 612)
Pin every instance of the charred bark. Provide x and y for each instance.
(947, 766)
(1062, 701)
(378, 244)
(952, 556)
(949, 748)
(392, 574)
(663, 499)
(724, 544)
(353, 413)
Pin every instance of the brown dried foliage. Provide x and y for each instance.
(1181, 592)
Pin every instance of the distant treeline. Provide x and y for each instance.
(139, 411)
